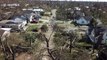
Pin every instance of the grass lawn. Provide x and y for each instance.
(32, 28)
(83, 44)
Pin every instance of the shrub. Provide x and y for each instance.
(40, 21)
(33, 28)
(44, 28)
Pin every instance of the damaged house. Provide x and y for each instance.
(84, 20)
(98, 35)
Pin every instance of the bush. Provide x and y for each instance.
(33, 28)
(40, 21)
(30, 36)
(44, 28)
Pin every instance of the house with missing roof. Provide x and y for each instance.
(4, 33)
(16, 26)
(98, 35)
(21, 20)
(31, 15)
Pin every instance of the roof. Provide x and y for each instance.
(89, 18)
(7, 23)
(100, 29)
(27, 12)
(19, 17)
(104, 28)
(6, 29)
(14, 22)
(41, 10)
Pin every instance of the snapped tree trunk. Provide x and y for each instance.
(30, 42)
(13, 54)
(70, 47)
(72, 42)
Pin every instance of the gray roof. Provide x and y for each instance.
(27, 12)
(89, 18)
(21, 17)
(100, 29)
(12, 22)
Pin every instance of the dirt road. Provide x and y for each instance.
(49, 35)
(24, 56)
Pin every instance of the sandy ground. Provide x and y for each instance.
(49, 34)
(24, 56)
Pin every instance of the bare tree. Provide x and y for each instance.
(72, 38)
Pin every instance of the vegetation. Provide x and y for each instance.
(40, 21)
(33, 28)
(61, 14)
(47, 14)
(68, 45)
(20, 43)
(30, 37)
(44, 28)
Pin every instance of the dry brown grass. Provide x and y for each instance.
(15, 39)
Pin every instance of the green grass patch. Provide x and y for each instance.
(32, 28)
(83, 44)
(40, 21)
